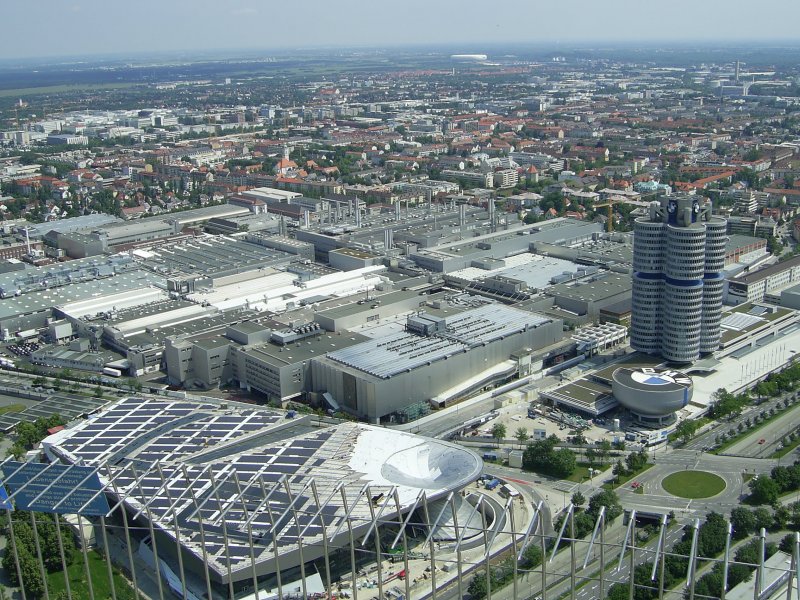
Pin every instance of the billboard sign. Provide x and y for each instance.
(55, 488)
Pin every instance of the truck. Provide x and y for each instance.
(492, 484)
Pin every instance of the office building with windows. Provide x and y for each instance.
(678, 258)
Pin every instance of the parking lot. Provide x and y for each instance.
(552, 422)
(23, 348)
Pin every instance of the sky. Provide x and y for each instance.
(46, 28)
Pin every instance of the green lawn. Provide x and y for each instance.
(11, 408)
(581, 472)
(693, 484)
(100, 583)
(623, 479)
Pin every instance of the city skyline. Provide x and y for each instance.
(250, 26)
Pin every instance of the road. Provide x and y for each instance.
(709, 438)
(449, 419)
(591, 590)
(772, 433)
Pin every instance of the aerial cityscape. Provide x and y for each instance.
(397, 310)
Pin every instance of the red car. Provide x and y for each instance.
(762, 441)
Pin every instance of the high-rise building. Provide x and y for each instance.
(678, 257)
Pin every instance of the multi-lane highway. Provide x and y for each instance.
(774, 430)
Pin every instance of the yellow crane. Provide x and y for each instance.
(610, 203)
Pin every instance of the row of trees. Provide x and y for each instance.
(747, 521)
(532, 555)
(634, 463)
(26, 549)
(766, 490)
(778, 383)
(586, 518)
(757, 418)
(711, 540)
(724, 404)
(503, 573)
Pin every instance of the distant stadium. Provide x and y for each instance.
(469, 57)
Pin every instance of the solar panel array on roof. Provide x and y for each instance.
(244, 471)
(67, 406)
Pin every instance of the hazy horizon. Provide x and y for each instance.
(83, 28)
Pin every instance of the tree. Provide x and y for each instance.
(712, 535)
(636, 461)
(709, 585)
(618, 591)
(578, 499)
(743, 522)
(477, 588)
(541, 456)
(781, 517)
(619, 470)
(780, 475)
(532, 556)
(499, 432)
(564, 462)
(774, 246)
(521, 435)
(603, 451)
(579, 440)
(610, 500)
(763, 490)
(686, 429)
(763, 518)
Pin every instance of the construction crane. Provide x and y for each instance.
(611, 203)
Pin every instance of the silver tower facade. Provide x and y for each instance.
(678, 257)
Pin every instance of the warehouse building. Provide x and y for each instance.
(433, 357)
(591, 296)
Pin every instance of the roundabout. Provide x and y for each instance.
(693, 484)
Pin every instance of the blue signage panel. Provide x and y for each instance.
(63, 489)
(4, 501)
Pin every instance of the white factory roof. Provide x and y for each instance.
(120, 301)
(533, 269)
(276, 290)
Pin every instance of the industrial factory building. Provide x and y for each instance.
(433, 358)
